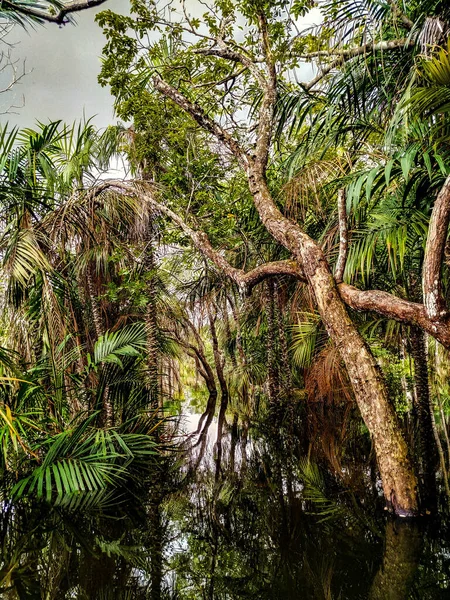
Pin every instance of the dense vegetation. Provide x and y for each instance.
(276, 257)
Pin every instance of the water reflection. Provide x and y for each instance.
(250, 518)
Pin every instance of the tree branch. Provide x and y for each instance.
(343, 237)
(364, 49)
(199, 115)
(433, 297)
(267, 110)
(382, 303)
(396, 308)
(222, 50)
(344, 55)
(245, 280)
(45, 15)
(400, 15)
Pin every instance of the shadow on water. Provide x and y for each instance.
(251, 514)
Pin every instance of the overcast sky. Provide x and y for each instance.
(63, 65)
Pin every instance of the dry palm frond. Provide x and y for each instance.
(327, 379)
(304, 192)
(434, 31)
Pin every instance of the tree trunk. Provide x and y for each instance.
(285, 374)
(107, 412)
(97, 320)
(218, 360)
(399, 480)
(397, 474)
(241, 352)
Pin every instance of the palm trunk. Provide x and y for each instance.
(218, 360)
(226, 320)
(426, 444)
(241, 352)
(271, 345)
(95, 309)
(444, 426)
(286, 374)
(107, 412)
(152, 326)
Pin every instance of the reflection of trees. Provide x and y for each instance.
(250, 533)
(394, 579)
(280, 528)
(111, 551)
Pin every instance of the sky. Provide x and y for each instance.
(62, 65)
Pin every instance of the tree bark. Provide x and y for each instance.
(433, 298)
(343, 237)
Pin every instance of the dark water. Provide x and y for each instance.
(251, 518)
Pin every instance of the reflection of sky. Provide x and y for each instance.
(63, 64)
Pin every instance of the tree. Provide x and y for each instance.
(232, 75)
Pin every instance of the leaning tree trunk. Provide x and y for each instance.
(397, 474)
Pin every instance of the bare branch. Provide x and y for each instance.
(434, 301)
(344, 55)
(46, 15)
(343, 237)
(400, 15)
(364, 49)
(202, 119)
